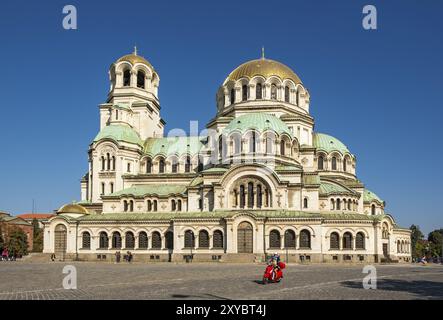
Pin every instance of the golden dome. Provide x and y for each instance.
(72, 208)
(263, 67)
(133, 58)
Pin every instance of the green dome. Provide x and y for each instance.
(258, 121)
(369, 196)
(329, 143)
(119, 133)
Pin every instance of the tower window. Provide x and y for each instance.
(305, 203)
(161, 166)
(148, 166)
(258, 91)
(244, 93)
(103, 189)
(334, 163)
(129, 167)
(320, 163)
(232, 96)
(141, 79)
(112, 187)
(126, 78)
(286, 94)
(273, 92)
(188, 164)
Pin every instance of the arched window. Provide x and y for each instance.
(141, 79)
(174, 167)
(113, 163)
(268, 142)
(344, 204)
(344, 165)
(250, 195)
(156, 240)
(273, 92)
(332, 204)
(360, 241)
(149, 205)
(289, 239)
(334, 163)
(305, 239)
(242, 196)
(237, 144)
(116, 240)
(148, 166)
(129, 240)
(125, 205)
(373, 209)
(232, 95)
(188, 164)
(131, 205)
(320, 163)
(203, 239)
(103, 240)
(103, 189)
(86, 240)
(116, 114)
(189, 239)
(282, 147)
(252, 142)
(127, 78)
(217, 239)
(338, 204)
(161, 166)
(334, 241)
(347, 241)
(222, 150)
(259, 196)
(274, 239)
(398, 246)
(111, 186)
(305, 203)
(349, 204)
(244, 93)
(258, 91)
(155, 205)
(179, 205)
(129, 167)
(142, 240)
(173, 206)
(296, 97)
(103, 163)
(108, 162)
(385, 231)
(286, 94)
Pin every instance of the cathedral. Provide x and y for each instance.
(259, 180)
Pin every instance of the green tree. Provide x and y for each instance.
(18, 242)
(416, 244)
(37, 245)
(436, 242)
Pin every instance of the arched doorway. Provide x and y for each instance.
(245, 238)
(60, 241)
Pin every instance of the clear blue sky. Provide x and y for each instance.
(380, 92)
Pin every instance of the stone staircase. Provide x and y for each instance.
(36, 257)
(243, 258)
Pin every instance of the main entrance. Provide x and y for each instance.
(244, 238)
(60, 242)
(385, 250)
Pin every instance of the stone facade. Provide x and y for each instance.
(258, 180)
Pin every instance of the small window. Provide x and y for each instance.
(320, 163)
(103, 189)
(232, 96)
(188, 164)
(258, 91)
(161, 166)
(273, 92)
(148, 166)
(305, 203)
(86, 240)
(373, 209)
(126, 78)
(141, 80)
(286, 94)
(129, 167)
(244, 93)
(334, 163)
(112, 187)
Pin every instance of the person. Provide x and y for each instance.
(129, 255)
(53, 257)
(423, 260)
(117, 256)
(5, 254)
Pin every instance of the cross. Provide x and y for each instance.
(163, 206)
(113, 207)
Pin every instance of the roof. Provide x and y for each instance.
(173, 146)
(263, 67)
(36, 215)
(119, 133)
(133, 59)
(369, 196)
(327, 188)
(258, 121)
(72, 208)
(14, 220)
(152, 189)
(329, 143)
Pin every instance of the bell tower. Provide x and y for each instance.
(133, 97)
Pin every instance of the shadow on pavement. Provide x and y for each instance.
(204, 296)
(424, 289)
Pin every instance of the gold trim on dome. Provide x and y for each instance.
(133, 59)
(72, 208)
(263, 67)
